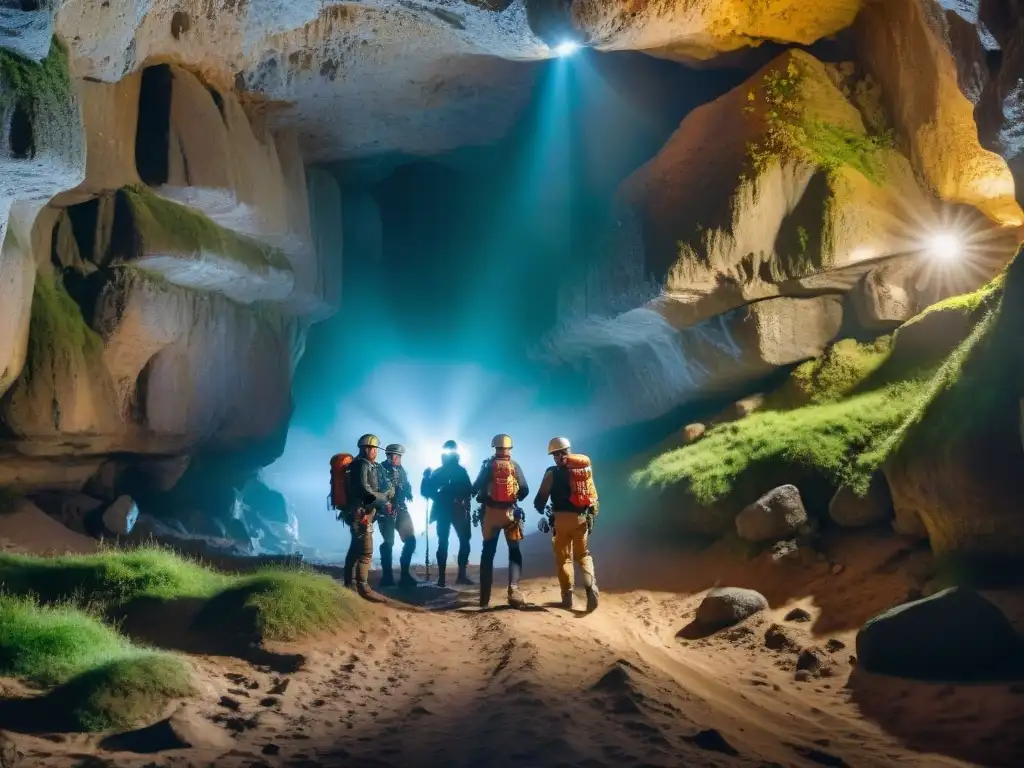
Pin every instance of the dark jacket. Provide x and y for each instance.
(399, 481)
(446, 486)
(483, 481)
(367, 485)
(555, 486)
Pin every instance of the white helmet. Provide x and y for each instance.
(558, 444)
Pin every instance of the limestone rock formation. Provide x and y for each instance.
(703, 29)
(898, 43)
(740, 205)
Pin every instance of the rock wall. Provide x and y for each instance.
(158, 271)
(902, 43)
(792, 185)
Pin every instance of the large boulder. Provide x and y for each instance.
(779, 514)
(726, 606)
(955, 634)
(907, 53)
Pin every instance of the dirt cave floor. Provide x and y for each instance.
(434, 680)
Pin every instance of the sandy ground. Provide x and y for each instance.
(445, 683)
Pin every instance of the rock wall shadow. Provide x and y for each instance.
(980, 723)
(189, 625)
(859, 575)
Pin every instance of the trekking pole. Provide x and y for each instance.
(426, 538)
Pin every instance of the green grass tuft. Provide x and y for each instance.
(277, 603)
(166, 224)
(102, 680)
(48, 645)
(123, 693)
(283, 605)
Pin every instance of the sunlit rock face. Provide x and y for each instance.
(706, 28)
(788, 186)
(903, 44)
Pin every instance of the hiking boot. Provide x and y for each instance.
(592, 595)
(387, 579)
(464, 579)
(368, 594)
(441, 582)
(515, 597)
(567, 599)
(408, 581)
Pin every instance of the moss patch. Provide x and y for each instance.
(791, 131)
(103, 680)
(825, 438)
(122, 693)
(56, 327)
(36, 84)
(834, 375)
(278, 604)
(168, 226)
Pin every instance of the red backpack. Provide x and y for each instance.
(504, 485)
(582, 491)
(340, 465)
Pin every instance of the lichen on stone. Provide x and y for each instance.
(163, 224)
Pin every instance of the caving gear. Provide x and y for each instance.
(369, 441)
(368, 494)
(450, 446)
(504, 487)
(395, 448)
(449, 489)
(340, 464)
(543, 524)
(497, 517)
(399, 521)
(567, 598)
(558, 444)
(574, 504)
(501, 441)
(582, 491)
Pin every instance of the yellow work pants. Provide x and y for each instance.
(569, 543)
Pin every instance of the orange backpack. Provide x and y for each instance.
(582, 491)
(340, 465)
(505, 486)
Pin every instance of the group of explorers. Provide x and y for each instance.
(365, 492)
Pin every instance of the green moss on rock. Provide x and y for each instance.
(164, 225)
(794, 127)
(31, 82)
(57, 329)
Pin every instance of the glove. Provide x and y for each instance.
(543, 525)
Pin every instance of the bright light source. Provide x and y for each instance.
(568, 48)
(945, 246)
